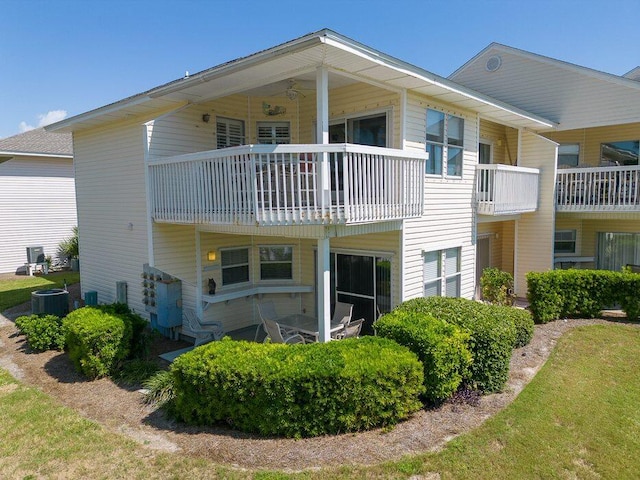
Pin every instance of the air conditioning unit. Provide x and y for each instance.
(35, 254)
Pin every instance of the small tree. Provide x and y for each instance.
(497, 286)
(68, 248)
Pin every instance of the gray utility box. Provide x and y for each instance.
(35, 254)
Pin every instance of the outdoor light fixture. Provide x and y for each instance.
(211, 255)
(206, 117)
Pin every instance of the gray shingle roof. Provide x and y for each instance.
(38, 141)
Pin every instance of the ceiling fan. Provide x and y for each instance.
(294, 89)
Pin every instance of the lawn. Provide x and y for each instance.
(578, 418)
(15, 292)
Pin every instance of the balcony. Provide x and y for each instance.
(598, 189)
(506, 190)
(269, 185)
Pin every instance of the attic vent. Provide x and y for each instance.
(493, 63)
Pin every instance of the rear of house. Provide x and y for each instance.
(37, 195)
(595, 189)
(313, 172)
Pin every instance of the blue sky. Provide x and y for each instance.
(64, 57)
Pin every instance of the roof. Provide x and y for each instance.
(38, 142)
(305, 54)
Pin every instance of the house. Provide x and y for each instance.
(595, 186)
(315, 171)
(37, 195)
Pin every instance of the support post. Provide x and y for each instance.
(322, 135)
(324, 290)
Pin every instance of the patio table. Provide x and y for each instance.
(305, 325)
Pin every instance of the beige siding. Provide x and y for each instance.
(590, 139)
(501, 236)
(448, 219)
(535, 231)
(112, 216)
(37, 205)
(572, 96)
(503, 139)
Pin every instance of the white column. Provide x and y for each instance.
(322, 133)
(324, 289)
(199, 310)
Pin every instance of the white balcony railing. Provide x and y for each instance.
(598, 189)
(506, 190)
(283, 185)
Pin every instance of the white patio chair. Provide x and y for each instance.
(341, 314)
(265, 310)
(352, 330)
(204, 332)
(277, 335)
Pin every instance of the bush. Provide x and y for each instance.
(160, 389)
(140, 341)
(497, 286)
(492, 338)
(98, 342)
(628, 294)
(521, 319)
(43, 332)
(440, 346)
(299, 390)
(574, 293)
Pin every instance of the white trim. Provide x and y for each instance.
(29, 154)
(147, 189)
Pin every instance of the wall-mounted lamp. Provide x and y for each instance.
(130, 226)
(206, 117)
(211, 255)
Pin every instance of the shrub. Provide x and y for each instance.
(98, 342)
(521, 319)
(572, 293)
(440, 346)
(298, 390)
(140, 340)
(628, 294)
(492, 338)
(43, 332)
(497, 286)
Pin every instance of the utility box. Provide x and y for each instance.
(35, 254)
(121, 292)
(162, 296)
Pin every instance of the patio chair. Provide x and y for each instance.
(341, 314)
(352, 330)
(277, 335)
(265, 310)
(204, 332)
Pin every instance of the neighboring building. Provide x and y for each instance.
(37, 195)
(300, 175)
(595, 190)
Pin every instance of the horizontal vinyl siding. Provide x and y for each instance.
(109, 166)
(504, 142)
(535, 231)
(37, 205)
(448, 217)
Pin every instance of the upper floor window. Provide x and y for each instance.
(229, 132)
(620, 153)
(235, 265)
(445, 139)
(276, 263)
(274, 132)
(568, 154)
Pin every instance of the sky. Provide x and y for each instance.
(61, 58)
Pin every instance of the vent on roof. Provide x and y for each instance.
(493, 63)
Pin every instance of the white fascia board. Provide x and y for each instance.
(433, 79)
(34, 154)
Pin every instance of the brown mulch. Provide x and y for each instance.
(121, 409)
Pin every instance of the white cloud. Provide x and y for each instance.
(44, 119)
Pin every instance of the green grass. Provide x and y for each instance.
(15, 292)
(578, 418)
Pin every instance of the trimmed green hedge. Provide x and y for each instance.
(493, 335)
(139, 345)
(440, 346)
(299, 390)
(581, 293)
(43, 332)
(98, 342)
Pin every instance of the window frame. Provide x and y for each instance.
(235, 265)
(574, 240)
(229, 121)
(290, 262)
(445, 146)
(567, 155)
(274, 138)
(441, 281)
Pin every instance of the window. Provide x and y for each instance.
(619, 153)
(442, 273)
(484, 153)
(565, 241)
(615, 250)
(366, 130)
(568, 155)
(273, 132)
(229, 132)
(276, 263)
(235, 265)
(445, 139)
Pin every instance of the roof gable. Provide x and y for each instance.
(571, 95)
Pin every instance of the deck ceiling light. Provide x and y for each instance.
(206, 117)
(211, 255)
